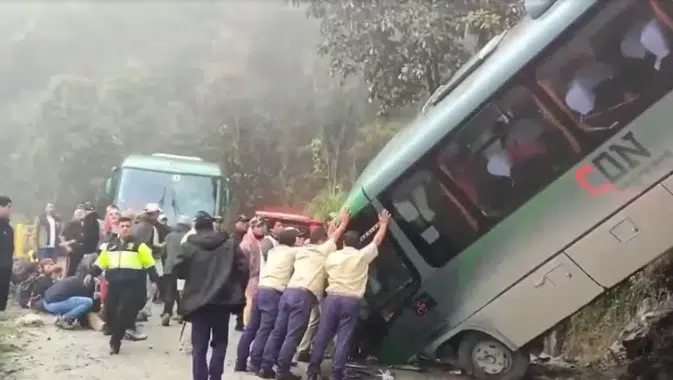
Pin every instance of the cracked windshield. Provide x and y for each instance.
(336, 189)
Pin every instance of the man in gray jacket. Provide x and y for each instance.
(169, 253)
(148, 230)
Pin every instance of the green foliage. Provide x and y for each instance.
(240, 84)
(328, 201)
(404, 48)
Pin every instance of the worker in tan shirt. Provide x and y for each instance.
(272, 283)
(347, 273)
(303, 291)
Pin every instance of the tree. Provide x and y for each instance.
(403, 49)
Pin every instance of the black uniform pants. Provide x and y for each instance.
(5, 279)
(124, 301)
(172, 296)
(73, 262)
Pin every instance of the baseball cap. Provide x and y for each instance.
(88, 206)
(152, 207)
(242, 218)
(5, 201)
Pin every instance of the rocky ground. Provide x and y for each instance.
(644, 351)
(41, 351)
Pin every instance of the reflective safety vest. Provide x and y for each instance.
(125, 255)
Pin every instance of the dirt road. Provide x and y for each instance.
(49, 353)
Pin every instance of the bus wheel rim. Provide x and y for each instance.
(491, 357)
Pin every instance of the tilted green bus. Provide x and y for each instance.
(533, 181)
(181, 185)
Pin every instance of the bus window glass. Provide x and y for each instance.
(613, 67)
(425, 210)
(506, 154)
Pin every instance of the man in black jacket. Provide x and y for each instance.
(6, 249)
(90, 238)
(216, 274)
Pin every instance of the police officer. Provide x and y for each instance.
(126, 263)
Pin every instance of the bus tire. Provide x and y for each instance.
(484, 357)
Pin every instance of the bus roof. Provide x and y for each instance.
(172, 165)
(521, 44)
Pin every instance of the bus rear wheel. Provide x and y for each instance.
(484, 357)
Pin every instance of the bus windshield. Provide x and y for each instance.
(176, 194)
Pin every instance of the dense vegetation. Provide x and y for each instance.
(294, 100)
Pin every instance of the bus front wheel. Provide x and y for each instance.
(484, 357)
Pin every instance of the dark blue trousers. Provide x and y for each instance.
(294, 312)
(338, 317)
(210, 327)
(262, 321)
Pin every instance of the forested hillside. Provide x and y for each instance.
(290, 96)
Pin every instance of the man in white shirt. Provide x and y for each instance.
(272, 283)
(303, 291)
(47, 232)
(347, 274)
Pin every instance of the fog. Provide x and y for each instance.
(82, 85)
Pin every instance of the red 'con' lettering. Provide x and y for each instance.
(594, 191)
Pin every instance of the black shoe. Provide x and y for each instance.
(106, 330)
(239, 327)
(240, 366)
(252, 369)
(114, 348)
(287, 376)
(304, 357)
(267, 374)
(166, 320)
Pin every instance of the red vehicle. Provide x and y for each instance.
(301, 222)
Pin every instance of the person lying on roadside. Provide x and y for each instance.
(44, 281)
(70, 299)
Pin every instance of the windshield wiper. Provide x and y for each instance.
(163, 198)
(462, 73)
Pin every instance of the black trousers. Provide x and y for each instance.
(124, 301)
(5, 279)
(75, 259)
(171, 296)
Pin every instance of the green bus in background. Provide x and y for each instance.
(180, 185)
(537, 178)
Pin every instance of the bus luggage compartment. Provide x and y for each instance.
(629, 240)
(540, 300)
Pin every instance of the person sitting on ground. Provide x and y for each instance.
(70, 299)
(34, 273)
(44, 281)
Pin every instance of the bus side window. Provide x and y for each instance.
(510, 150)
(613, 67)
(431, 218)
